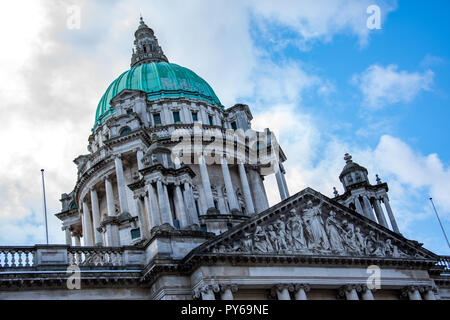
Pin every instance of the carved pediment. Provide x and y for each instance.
(311, 224)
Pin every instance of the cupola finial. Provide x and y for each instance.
(348, 158)
(147, 49)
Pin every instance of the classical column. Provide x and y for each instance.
(96, 217)
(190, 203)
(109, 197)
(150, 223)
(429, 294)
(358, 206)
(180, 208)
(368, 208)
(205, 182)
(87, 225)
(207, 292)
(349, 291)
(259, 193)
(226, 291)
(300, 291)
(139, 156)
(281, 187)
(231, 195)
(379, 212)
(366, 293)
(121, 185)
(112, 229)
(142, 219)
(390, 214)
(77, 239)
(153, 205)
(282, 291)
(164, 206)
(68, 236)
(246, 190)
(412, 292)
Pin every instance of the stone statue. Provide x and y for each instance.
(260, 240)
(295, 234)
(281, 229)
(273, 238)
(334, 231)
(349, 237)
(360, 240)
(317, 237)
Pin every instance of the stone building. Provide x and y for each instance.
(170, 204)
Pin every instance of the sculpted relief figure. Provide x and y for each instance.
(334, 231)
(295, 235)
(317, 237)
(261, 241)
(350, 237)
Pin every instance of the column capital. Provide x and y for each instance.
(348, 288)
(229, 286)
(303, 286)
(117, 156)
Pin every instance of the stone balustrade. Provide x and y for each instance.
(54, 256)
(444, 261)
(16, 257)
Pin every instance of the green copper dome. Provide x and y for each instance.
(158, 80)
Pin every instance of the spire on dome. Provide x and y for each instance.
(146, 45)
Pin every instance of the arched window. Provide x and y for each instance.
(125, 131)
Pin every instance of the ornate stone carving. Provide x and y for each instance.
(316, 229)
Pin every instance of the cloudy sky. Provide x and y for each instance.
(312, 71)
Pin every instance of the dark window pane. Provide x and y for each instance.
(157, 118)
(176, 117)
(210, 118)
(194, 116)
(234, 125)
(135, 233)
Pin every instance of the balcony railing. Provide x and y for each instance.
(444, 261)
(61, 256)
(17, 257)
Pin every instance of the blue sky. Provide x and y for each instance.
(311, 71)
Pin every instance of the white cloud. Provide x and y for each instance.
(382, 86)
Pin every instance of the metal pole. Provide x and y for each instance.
(442, 227)
(45, 205)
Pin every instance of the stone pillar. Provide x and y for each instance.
(412, 292)
(349, 291)
(246, 190)
(366, 293)
(139, 156)
(358, 206)
(68, 236)
(282, 291)
(206, 183)
(259, 193)
(77, 239)
(180, 208)
(109, 197)
(142, 219)
(281, 187)
(188, 196)
(153, 201)
(149, 219)
(121, 185)
(379, 212)
(96, 217)
(368, 208)
(164, 206)
(226, 291)
(300, 291)
(231, 195)
(390, 214)
(207, 292)
(429, 294)
(87, 225)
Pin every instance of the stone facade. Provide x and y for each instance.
(160, 222)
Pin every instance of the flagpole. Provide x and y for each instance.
(45, 205)
(442, 227)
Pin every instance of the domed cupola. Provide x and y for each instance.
(152, 73)
(353, 175)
